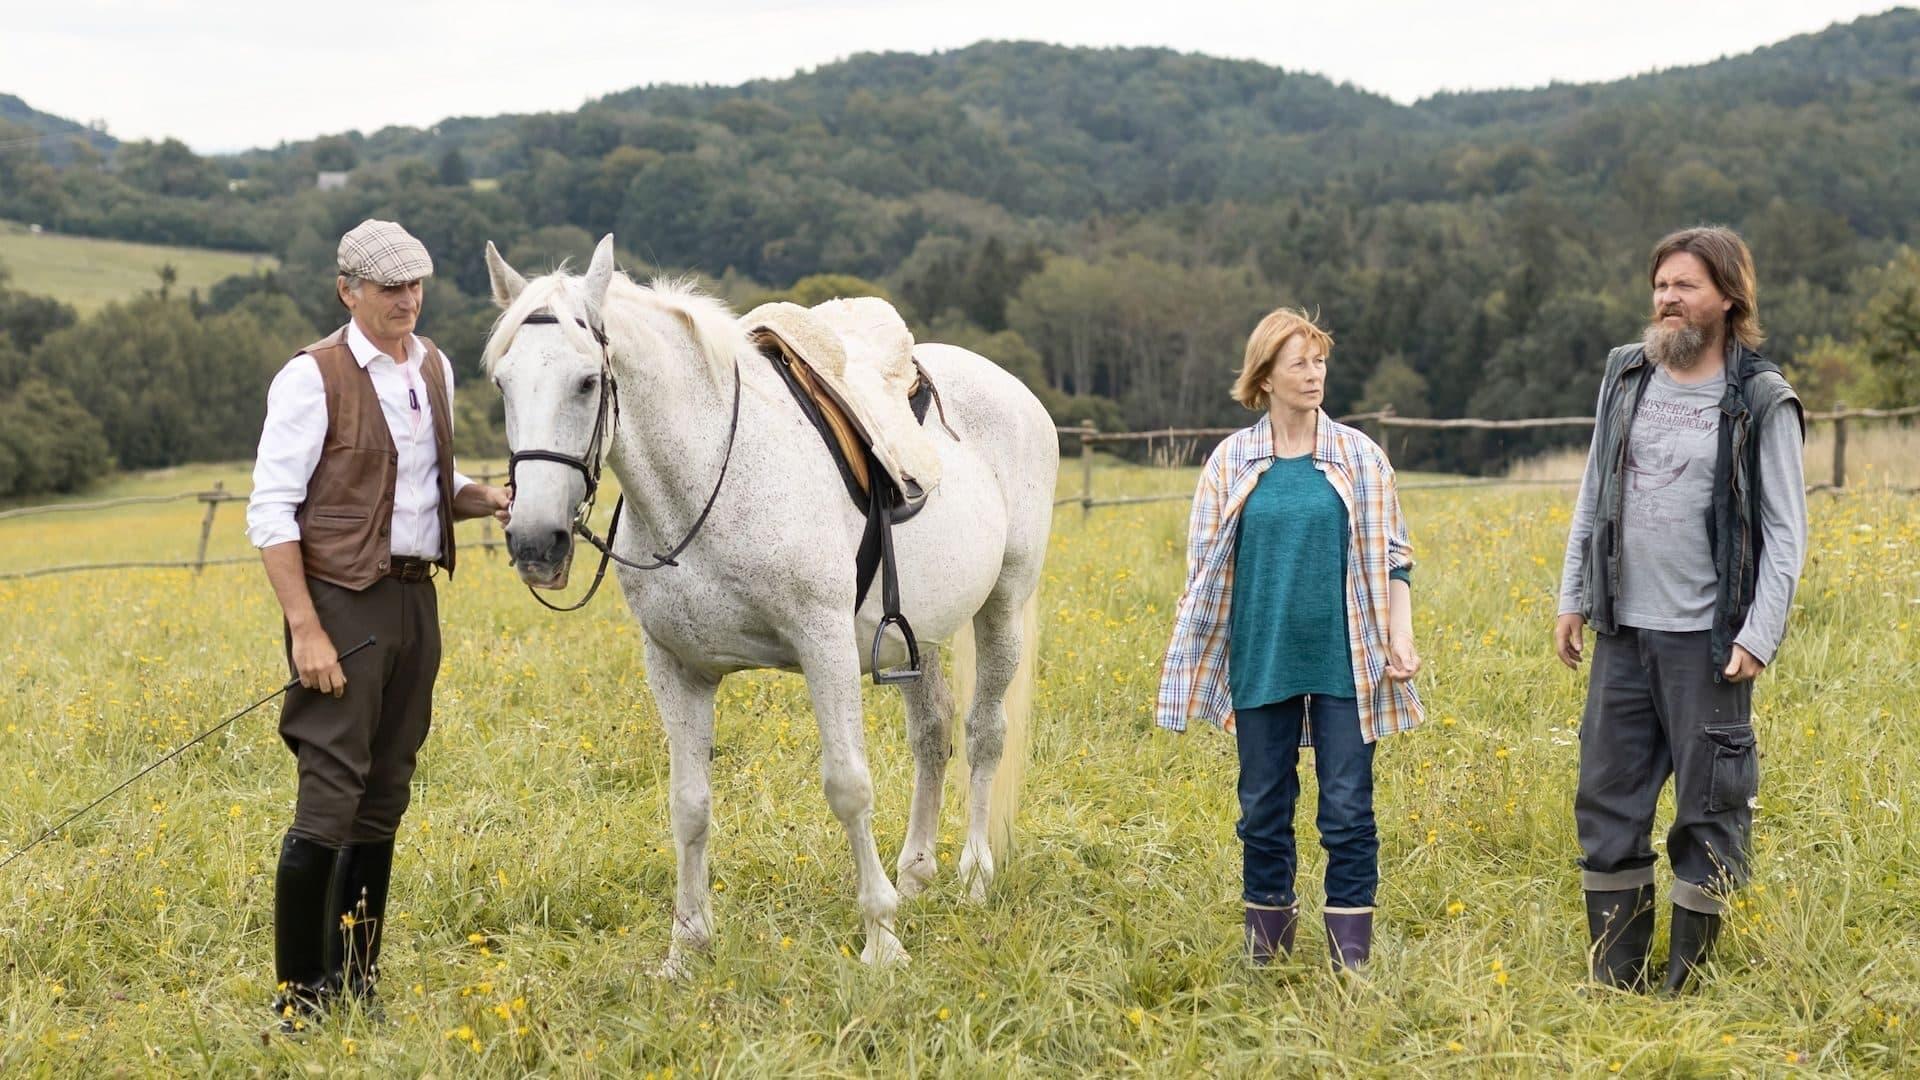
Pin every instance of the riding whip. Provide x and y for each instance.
(174, 753)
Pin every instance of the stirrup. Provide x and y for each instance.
(900, 674)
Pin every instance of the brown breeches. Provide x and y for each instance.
(356, 752)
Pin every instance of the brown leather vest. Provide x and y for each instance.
(348, 515)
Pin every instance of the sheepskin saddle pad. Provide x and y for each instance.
(854, 357)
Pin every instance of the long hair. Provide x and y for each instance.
(1730, 265)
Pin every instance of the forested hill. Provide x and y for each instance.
(63, 137)
(1874, 54)
(1109, 222)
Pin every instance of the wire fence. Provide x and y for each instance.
(1381, 420)
(214, 499)
(1087, 435)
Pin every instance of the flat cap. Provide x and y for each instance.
(383, 253)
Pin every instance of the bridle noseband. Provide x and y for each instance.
(589, 464)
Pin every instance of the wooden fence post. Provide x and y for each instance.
(212, 499)
(1086, 469)
(1380, 427)
(1840, 445)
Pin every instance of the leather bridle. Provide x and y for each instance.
(589, 464)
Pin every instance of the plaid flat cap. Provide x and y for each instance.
(383, 253)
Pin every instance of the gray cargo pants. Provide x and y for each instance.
(1654, 709)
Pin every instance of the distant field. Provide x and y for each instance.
(90, 273)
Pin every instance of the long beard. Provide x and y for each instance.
(1677, 349)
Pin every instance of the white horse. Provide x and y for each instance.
(768, 579)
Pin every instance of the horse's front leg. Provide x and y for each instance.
(832, 668)
(685, 700)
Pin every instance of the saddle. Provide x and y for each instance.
(858, 358)
(849, 366)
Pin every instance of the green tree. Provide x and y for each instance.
(335, 153)
(170, 168)
(820, 288)
(1395, 384)
(453, 170)
(1004, 347)
(1890, 331)
(26, 319)
(48, 443)
(168, 387)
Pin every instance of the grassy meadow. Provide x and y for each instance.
(532, 891)
(90, 273)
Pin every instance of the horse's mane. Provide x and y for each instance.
(707, 320)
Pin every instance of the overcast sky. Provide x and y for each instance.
(226, 75)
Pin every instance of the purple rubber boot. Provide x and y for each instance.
(1349, 938)
(1270, 932)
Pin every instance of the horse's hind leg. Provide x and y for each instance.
(930, 733)
(832, 669)
(685, 700)
(996, 631)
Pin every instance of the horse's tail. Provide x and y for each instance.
(1003, 799)
(1003, 802)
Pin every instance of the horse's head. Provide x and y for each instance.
(548, 357)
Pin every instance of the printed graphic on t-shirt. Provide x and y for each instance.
(1668, 439)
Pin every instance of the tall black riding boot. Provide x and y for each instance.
(1620, 932)
(359, 909)
(301, 927)
(1693, 934)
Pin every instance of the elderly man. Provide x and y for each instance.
(1683, 556)
(354, 500)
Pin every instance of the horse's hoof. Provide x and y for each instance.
(884, 950)
(915, 876)
(976, 869)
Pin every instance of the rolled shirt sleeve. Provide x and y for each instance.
(1399, 546)
(290, 445)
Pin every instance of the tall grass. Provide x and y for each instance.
(534, 878)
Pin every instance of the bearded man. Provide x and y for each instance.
(1683, 556)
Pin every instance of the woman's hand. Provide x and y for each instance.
(1403, 660)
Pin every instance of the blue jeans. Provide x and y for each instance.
(1269, 739)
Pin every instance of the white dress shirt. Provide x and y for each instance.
(296, 429)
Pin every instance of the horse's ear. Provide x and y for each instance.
(599, 277)
(507, 282)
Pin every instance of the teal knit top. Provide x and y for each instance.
(1287, 630)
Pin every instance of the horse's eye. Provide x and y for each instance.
(587, 384)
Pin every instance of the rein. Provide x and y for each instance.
(589, 469)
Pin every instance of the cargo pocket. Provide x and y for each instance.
(1736, 769)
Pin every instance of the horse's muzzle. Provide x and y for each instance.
(541, 556)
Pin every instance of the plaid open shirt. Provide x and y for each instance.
(1193, 681)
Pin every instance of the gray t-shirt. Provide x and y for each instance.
(1667, 580)
(1782, 514)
